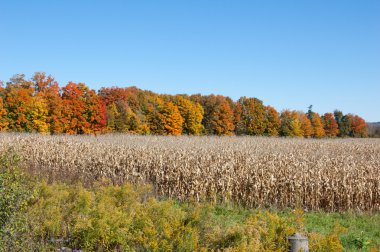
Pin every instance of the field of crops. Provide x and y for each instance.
(331, 174)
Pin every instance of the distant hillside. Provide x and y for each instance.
(374, 129)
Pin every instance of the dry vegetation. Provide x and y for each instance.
(333, 175)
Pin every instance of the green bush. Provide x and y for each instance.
(16, 193)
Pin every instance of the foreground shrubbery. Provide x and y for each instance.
(36, 216)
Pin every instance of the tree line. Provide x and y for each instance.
(39, 104)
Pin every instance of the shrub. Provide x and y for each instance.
(16, 192)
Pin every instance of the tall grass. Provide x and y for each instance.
(331, 174)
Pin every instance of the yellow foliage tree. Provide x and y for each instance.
(37, 114)
(192, 114)
(290, 125)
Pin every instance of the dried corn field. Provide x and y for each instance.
(331, 174)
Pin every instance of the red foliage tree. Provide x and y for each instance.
(83, 110)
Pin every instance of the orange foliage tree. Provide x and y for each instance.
(273, 122)
(359, 127)
(222, 118)
(318, 130)
(18, 100)
(171, 119)
(306, 127)
(83, 111)
(252, 115)
(330, 125)
(218, 114)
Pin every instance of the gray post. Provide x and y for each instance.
(298, 243)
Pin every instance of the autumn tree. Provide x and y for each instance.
(330, 126)
(83, 110)
(74, 119)
(112, 117)
(3, 120)
(127, 109)
(273, 122)
(316, 122)
(222, 119)
(95, 111)
(36, 114)
(218, 115)
(154, 117)
(350, 125)
(240, 128)
(359, 127)
(253, 116)
(171, 119)
(18, 101)
(290, 125)
(48, 90)
(3, 113)
(306, 127)
(192, 114)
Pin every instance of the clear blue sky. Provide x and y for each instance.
(288, 53)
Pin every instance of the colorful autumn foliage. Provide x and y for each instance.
(83, 110)
(330, 125)
(218, 115)
(252, 115)
(316, 122)
(273, 122)
(192, 113)
(290, 124)
(171, 119)
(40, 105)
(306, 127)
